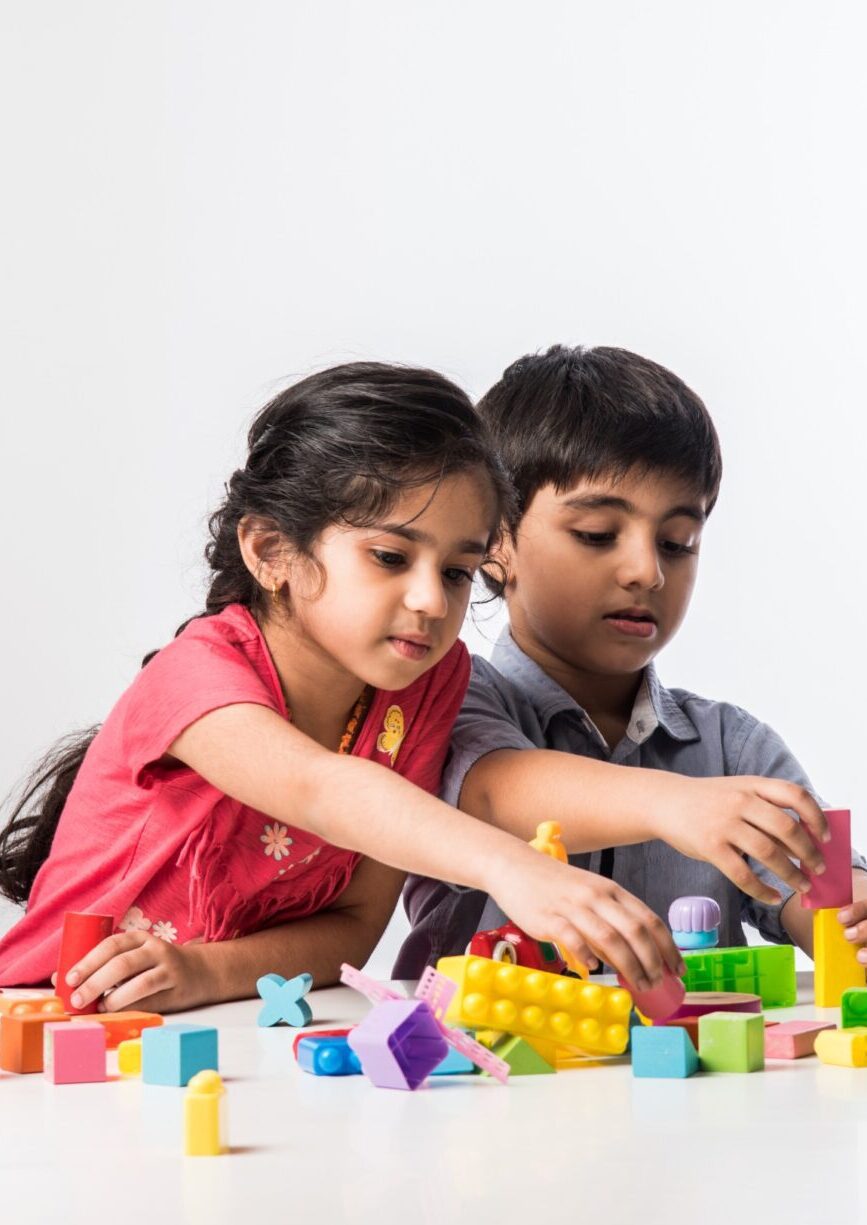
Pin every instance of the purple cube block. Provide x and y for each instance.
(399, 1044)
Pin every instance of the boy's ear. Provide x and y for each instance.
(499, 563)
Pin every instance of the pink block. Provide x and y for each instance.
(793, 1039)
(834, 886)
(659, 1002)
(75, 1054)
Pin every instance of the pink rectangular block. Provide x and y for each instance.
(793, 1039)
(75, 1054)
(834, 886)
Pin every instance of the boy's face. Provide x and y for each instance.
(600, 575)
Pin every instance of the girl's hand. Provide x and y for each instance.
(587, 915)
(720, 820)
(137, 970)
(854, 920)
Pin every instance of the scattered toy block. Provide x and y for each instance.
(690, 1024)
(659, 1002)
(122, 1026)
(399, 1044)
(173, 1054)
(74, 1054)
(836, 967)
(845, 1048)
(129, 1057)
(694, 922)
(834, 887)
(535, 1005)
(731, 1042)
(663, 1051)
(45, 1005)
(319, 1033)
(697, 1003)
(853, 1007)
(793, 1039)
(81, 933)
(284, 1000)
(327, 1056)
(21, 1040)
(205, 1116)
(522, 1058)
(764, 970)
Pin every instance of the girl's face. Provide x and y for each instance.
(389, 600)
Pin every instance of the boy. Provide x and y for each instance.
(617, 466)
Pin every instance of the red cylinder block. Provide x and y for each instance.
(81, 933)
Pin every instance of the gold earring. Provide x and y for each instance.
(275, 593)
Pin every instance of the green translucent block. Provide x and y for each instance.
(731, 1041)
(853, 1008)
(765, 970)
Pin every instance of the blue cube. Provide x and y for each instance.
(663, 1051)
(172, 1054)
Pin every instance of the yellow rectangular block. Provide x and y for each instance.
(847, 1048)
(836, 967)
(205, 1116)
(129, 1057)
(536, 1005)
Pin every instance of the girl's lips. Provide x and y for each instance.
(633, 629)
(408, 649)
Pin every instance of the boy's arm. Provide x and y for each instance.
(797, 920)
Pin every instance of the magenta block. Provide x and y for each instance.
(698, 1003)
(75, 1054)
(399, 1044)
(660, 1002)
(834, 887)
(793, 1039)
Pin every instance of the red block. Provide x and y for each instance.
(81, 933)
(834, 887)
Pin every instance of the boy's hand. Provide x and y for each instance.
(854, 920)
(587, 915)
(719, 820)
(137, 970)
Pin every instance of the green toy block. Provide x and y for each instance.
(765, 970)
(853, 1008)
(521, 1058)
(732, 1041)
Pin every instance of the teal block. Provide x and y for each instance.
(171, 1054)
(764, 970)
(455, 1063)
(853, 1008)
(732, 1041)
(663, 1051)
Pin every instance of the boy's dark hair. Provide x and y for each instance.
(568, 414)
(338, 447)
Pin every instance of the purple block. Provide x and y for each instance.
(834, 887)
(694, 914)
(399, 1044)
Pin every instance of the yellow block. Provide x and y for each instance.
(204, 1116)
(836, 966)
(847, 1048)
(129, 1057)
(536, 1005)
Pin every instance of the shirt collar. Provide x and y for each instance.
(654, 706)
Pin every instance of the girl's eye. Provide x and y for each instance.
(596, 540)
(454, 574)
(388, 559)
(671, 548)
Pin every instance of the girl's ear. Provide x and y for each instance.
(262, 550)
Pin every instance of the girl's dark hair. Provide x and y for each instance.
(338, 447)
(567, 414)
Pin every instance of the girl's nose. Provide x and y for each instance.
(426, 594)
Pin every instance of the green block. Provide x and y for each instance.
(765, 970)
(522, 1059)
(731, 1041)
(853, 1008)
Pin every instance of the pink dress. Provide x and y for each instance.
(162, 850)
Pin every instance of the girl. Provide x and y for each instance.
(247, 805)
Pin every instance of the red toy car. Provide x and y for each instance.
(509, 943)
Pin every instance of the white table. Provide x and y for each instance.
(588, 1145)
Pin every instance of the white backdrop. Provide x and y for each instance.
(203, 199)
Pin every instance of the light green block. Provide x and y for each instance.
(765, 970)
(853, 1008)
(522, 1059)
(731, 1041)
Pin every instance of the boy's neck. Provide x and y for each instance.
(607, 699)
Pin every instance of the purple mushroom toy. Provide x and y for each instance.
(694, 922)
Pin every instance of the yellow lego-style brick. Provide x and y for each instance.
(129, 1057)
(846, 1048)
(204, 1116)
(836, 967)
(536, 1005)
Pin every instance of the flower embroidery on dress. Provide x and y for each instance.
(277, 840)
(164, 930)
(300, 863)
(134, 921)
(390, 740)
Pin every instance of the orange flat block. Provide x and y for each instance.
(21, 1041)
(21, 1004)
(121, 1026)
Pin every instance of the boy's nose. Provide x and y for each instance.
(641, 569)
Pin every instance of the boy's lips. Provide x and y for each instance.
(415, 647)
(633, 622)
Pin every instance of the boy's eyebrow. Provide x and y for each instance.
(597, 501)
(419, 537)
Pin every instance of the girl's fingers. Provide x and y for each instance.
(118, 970)
(101, 954)
(143, 992)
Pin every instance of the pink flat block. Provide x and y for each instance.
(834, 887)
(793, 1039)
(75, 1054)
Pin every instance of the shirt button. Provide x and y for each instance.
(640, 725)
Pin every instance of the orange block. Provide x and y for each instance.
(21, 1041)
(121, 1026)
(21, 1004)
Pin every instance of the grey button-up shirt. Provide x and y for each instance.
(512, 703)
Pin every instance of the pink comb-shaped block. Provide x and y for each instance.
(834, 887)
(369, 987)
(437, 991)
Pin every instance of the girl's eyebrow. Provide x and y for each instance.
(597, 501)
(419, 537)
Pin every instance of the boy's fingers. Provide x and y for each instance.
(741, 874)
(793, 837)
(769, 853)
(100, 955)
(854, 912)
(626, 945)
(668, 950)
(573, 945)
(856, 933)
(799, 800)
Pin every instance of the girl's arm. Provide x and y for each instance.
(717, 820)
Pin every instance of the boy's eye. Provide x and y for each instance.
(673, 549)
(386, 558)
(457, 575)
(596, 540)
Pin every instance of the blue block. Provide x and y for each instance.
(284, 1000)
(171, 1054)
(328, 1056)
(454, 1063)
(663, 1051)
